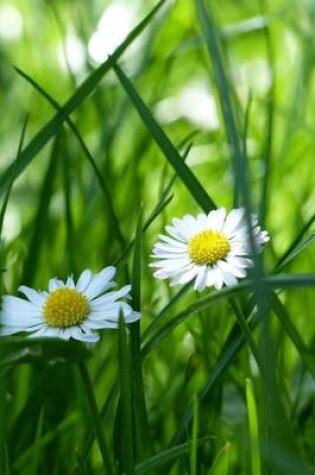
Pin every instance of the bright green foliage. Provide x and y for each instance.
(204, 103)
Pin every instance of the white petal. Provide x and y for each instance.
(37, 298)
(234, 220)
(185, 276)
(229, 268)
(201, 279)
(55, 284)
(70, 283)
(216, 219)
(84, 280)
(19, 309)
(202, 222)
(77, 334)
(111, 297)
(100, 282)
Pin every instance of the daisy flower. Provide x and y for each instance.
(212, 249)
(68, 310)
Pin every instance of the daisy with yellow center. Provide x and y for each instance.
(68, 310)
(212, 249)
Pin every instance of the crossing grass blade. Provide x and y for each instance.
(165, 456)
(80, 95)
(274, 282)
(101, 181)
(165, 145)
(296, 244)
(296, 250)
(305, 353)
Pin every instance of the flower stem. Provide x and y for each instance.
(95, 417)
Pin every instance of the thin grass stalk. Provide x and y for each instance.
(97, 423)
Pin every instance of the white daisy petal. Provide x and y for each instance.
(100, 282)
(111, 297)
(217, 219)
(55, 284)
(84, 280)
(37, 298)
(201, 279)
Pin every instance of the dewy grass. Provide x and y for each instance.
(212, 382)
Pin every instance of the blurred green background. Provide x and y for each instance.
(59, 220)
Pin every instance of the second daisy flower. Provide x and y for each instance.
(211, 249)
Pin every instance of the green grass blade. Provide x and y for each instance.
(253, 428)
(298, 248)
(165, 456)
(221, 464)
(139, 403)
(296, 243)
(65, 426)
(70, 235)
(274, 282)
(305, 353)
(83, 91)
(270, 113)
(221, 81)
(194, 438)
(11, 181)
(40, 220)
(36, 446)
(165, 145)
(126, 418)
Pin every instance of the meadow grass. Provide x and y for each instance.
(202, 105)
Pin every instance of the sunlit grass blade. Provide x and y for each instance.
(102, 183)
(126, 417)
(156, 462)
(296, 250)
(223, 86)
(252, 416)
(296, 243)
(221, 463)
(83, 91)
(270, 119)
(11, 181)
(165, 145)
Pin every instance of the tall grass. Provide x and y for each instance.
(95, 162)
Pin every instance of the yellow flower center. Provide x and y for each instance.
(208, 247)
(65, 308)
